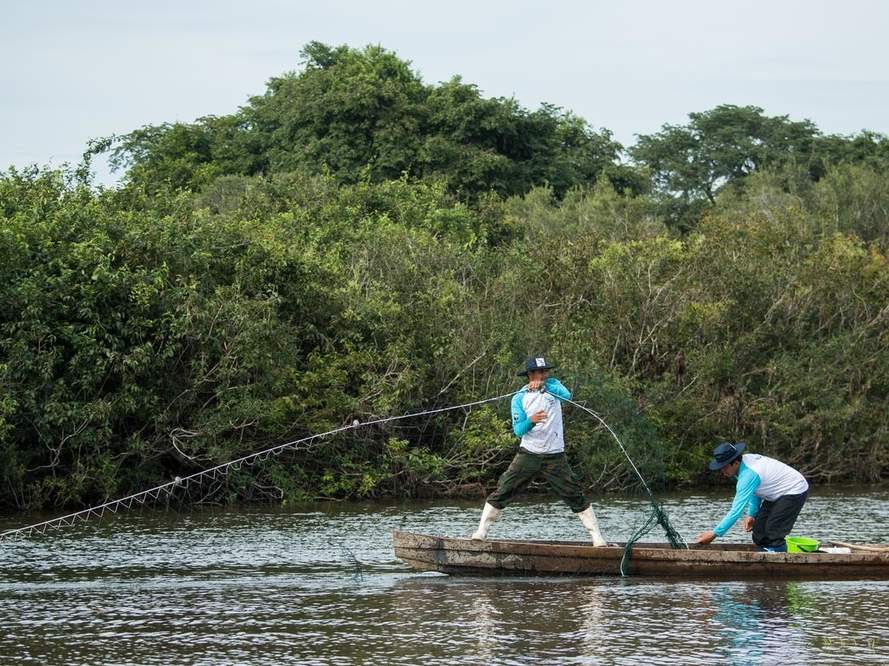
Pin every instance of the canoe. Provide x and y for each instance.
(497, 557)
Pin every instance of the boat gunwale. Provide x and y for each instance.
(428, 552)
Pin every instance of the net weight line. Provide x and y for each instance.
(215, 473)
(657, 515)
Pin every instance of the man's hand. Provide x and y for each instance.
(748, 523)
(536, 384)
(539, 417)
(706, 537)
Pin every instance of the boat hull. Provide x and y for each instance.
(493, 557)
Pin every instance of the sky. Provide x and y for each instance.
(74, 70)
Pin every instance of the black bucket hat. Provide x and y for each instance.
(535, 363)
(725, 454)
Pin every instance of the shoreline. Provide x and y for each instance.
(714, 492)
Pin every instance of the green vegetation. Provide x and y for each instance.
(356, 243)
(365, 115)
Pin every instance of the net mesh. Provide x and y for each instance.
(657, 515)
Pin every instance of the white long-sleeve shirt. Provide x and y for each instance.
(760, 478)
(546, 436)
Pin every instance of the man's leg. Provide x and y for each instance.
(521, 470)
(562, 480)
(781, 519)
(759, 523)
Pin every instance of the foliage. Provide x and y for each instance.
(366, 115)
(690, 164)
(356, 243)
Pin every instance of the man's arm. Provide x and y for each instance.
(753, 506)
(748, 482)
(558, 389)
(521, 423)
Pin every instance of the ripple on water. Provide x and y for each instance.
(268, 586)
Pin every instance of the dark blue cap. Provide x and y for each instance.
(535, 363)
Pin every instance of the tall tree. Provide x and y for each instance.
(690, 163)
(365, 113)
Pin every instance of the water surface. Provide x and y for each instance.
(320, 584)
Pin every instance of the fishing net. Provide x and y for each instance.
(656, 515)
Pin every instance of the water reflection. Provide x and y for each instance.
(483, 619)
(592, 622)
(744, 614)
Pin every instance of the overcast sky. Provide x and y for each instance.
(72, 70)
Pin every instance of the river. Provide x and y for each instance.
(319, 584)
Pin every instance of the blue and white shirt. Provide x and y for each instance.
(547, 436)
(760, 478)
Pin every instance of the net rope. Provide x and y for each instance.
(215, 473)
(657, 515)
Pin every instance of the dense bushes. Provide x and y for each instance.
(356, 243)
(143, 337)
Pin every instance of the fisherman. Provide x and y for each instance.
(537, 419)
(773, 494)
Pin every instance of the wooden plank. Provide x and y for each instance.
(498, 557)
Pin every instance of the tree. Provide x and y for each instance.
(868, 149)
(346, 111)
(689, 164)
(365, 114)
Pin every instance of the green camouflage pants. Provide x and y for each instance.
(555, 470)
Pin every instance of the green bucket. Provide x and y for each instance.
(797, 544)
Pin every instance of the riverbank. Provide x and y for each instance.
(717, 498)
(149, 335)
(537, 492)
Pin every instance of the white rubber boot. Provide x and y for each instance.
(489, 515)
(588, 518)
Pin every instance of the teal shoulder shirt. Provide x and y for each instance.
(521, 422)
(748, 482)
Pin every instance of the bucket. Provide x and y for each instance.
(799, 544)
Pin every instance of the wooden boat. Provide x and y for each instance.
(495, 557)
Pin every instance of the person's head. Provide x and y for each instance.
(731, 469)
(536, 368)
(727, 458)
(538, 375)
